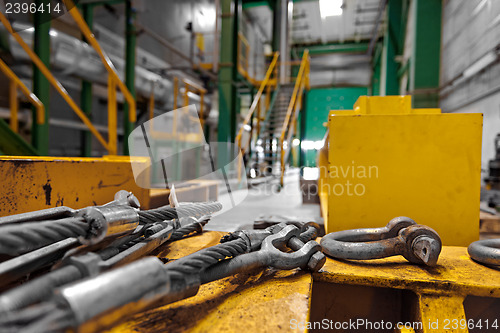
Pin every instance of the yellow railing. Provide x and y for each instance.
(189, 86)
(301, 83)
(256, 107)
(15, 84)
(243, 61)
(243, 55)
(113, 81)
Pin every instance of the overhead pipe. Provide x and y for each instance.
(71, 56)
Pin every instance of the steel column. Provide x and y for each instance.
(284, 54)
(86, 92)
(426, 53)
(228, 74)
(41, 86)
(392, 48)
(376, 71)
(276, 25)
(130, 46)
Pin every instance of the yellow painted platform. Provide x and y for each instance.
(34, 183)
(388, 289)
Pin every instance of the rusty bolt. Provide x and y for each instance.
(316, 262)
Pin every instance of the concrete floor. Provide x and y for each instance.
(264, 201)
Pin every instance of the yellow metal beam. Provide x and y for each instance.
(34, 183)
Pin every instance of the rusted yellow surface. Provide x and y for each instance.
(434, 309)
(389, 289)
(34, 183)
(455, 273)
(438, 292)
(261, 301)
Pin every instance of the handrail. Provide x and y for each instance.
(15, 83)
(196, 88)
(189, 86)
(56, 84)
(243, 40)
(256, 99)
(301, 82)
(110, 68)
(242, 62)
(254, 106)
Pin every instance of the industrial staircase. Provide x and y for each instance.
(268, 142)
(266, 156)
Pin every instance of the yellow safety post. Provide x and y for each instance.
(112, 117)
(14, 106)
(16, 83)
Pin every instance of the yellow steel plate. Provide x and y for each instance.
(34, 183)
(424, 166)
(455, 273)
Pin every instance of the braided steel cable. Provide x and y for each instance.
(23, 237)
(48, 316)
(45, 317)
(196, 227)
(199, 261)
(184, 210)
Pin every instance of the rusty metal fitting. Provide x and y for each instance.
(419, 244)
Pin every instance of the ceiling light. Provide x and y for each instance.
(330, 8)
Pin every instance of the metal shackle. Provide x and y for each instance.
(485, 251)
(419, 244)
(283, 260)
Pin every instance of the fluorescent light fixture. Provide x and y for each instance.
(330, 8)
(310, 145)
(310, 173)
(480, 64)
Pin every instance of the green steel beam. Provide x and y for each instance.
(257, 3)
(425, 58)
(12, 143)
(130, 48)
(333, 48)
(41, 86)
(392, 48)
(228, 75)
(86, 92)
(376, 71)
(276, 27)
